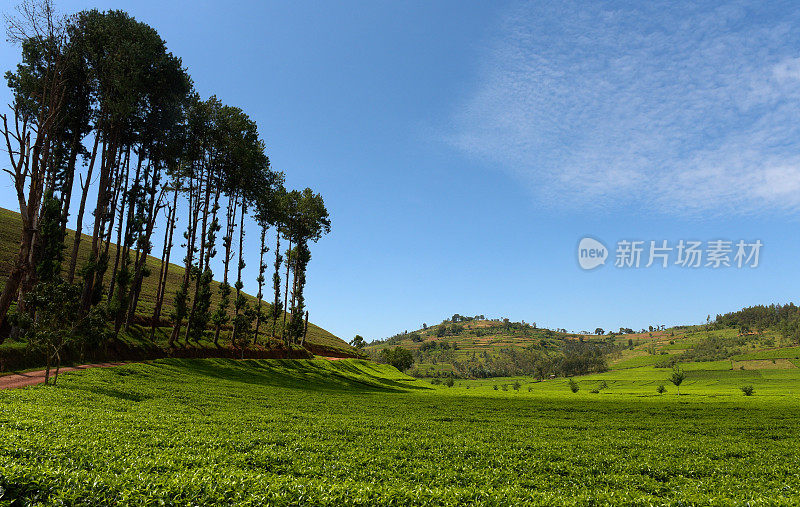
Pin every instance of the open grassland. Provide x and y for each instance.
(199, 432)
(10, 224)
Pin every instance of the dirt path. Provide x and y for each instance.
(31, 378)
(37, 377)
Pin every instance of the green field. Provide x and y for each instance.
(200, 432)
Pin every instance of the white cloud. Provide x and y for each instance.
(688, 110)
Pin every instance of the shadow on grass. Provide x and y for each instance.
(318, 375)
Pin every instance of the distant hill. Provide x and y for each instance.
(319, 340)
(470, 348)
(482, 347)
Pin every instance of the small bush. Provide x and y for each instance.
(661, 389)
(595, 391)
(436, 381)
(517, 385)
(449, 382)
(603, 385)
(747, 390)
(530, 389)
(505, 387)
(573, 386)
(495, 387)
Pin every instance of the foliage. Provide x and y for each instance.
(59, 323)
(573, 386)
(398, 357)
(358, 342)
(677, 377)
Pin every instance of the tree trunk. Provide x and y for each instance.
(120, 222)
(239, 268)
(305, 331)
(162, 276)
(66, 192)
(84, 193)
(191, 230)
(286, 292)
(201, 252)
(228, 240)
(276, 281)
(101, 209)
(261, 269)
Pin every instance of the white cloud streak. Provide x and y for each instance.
(688, 110)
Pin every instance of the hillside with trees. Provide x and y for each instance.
(109, 137)
(476, 347)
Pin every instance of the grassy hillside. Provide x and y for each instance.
(222, 432)
(445, 348)
(9, 244)
(438, 348)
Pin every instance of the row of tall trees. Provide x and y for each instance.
(105, 123)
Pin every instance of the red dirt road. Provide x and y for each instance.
(37, 377)
(31, 378)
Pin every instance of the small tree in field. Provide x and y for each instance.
(747, 390)
(58, 324)
(677, 377)
(573, 386)
(661, 389)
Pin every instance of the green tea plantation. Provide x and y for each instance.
(350, 432)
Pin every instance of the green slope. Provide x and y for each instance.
(474, 340)
(9, 243)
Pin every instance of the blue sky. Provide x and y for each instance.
(464, 148)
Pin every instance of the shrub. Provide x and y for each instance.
(747, 390)
(449, 382)
(595, 391)
(661, 389)
(517, 385)
(495, 387)
(573, 386)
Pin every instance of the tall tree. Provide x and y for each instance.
(38, 88)
(311, 222)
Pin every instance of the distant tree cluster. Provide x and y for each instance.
(783, 318)
(461, 318)
(399, 357)
(573, 358)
